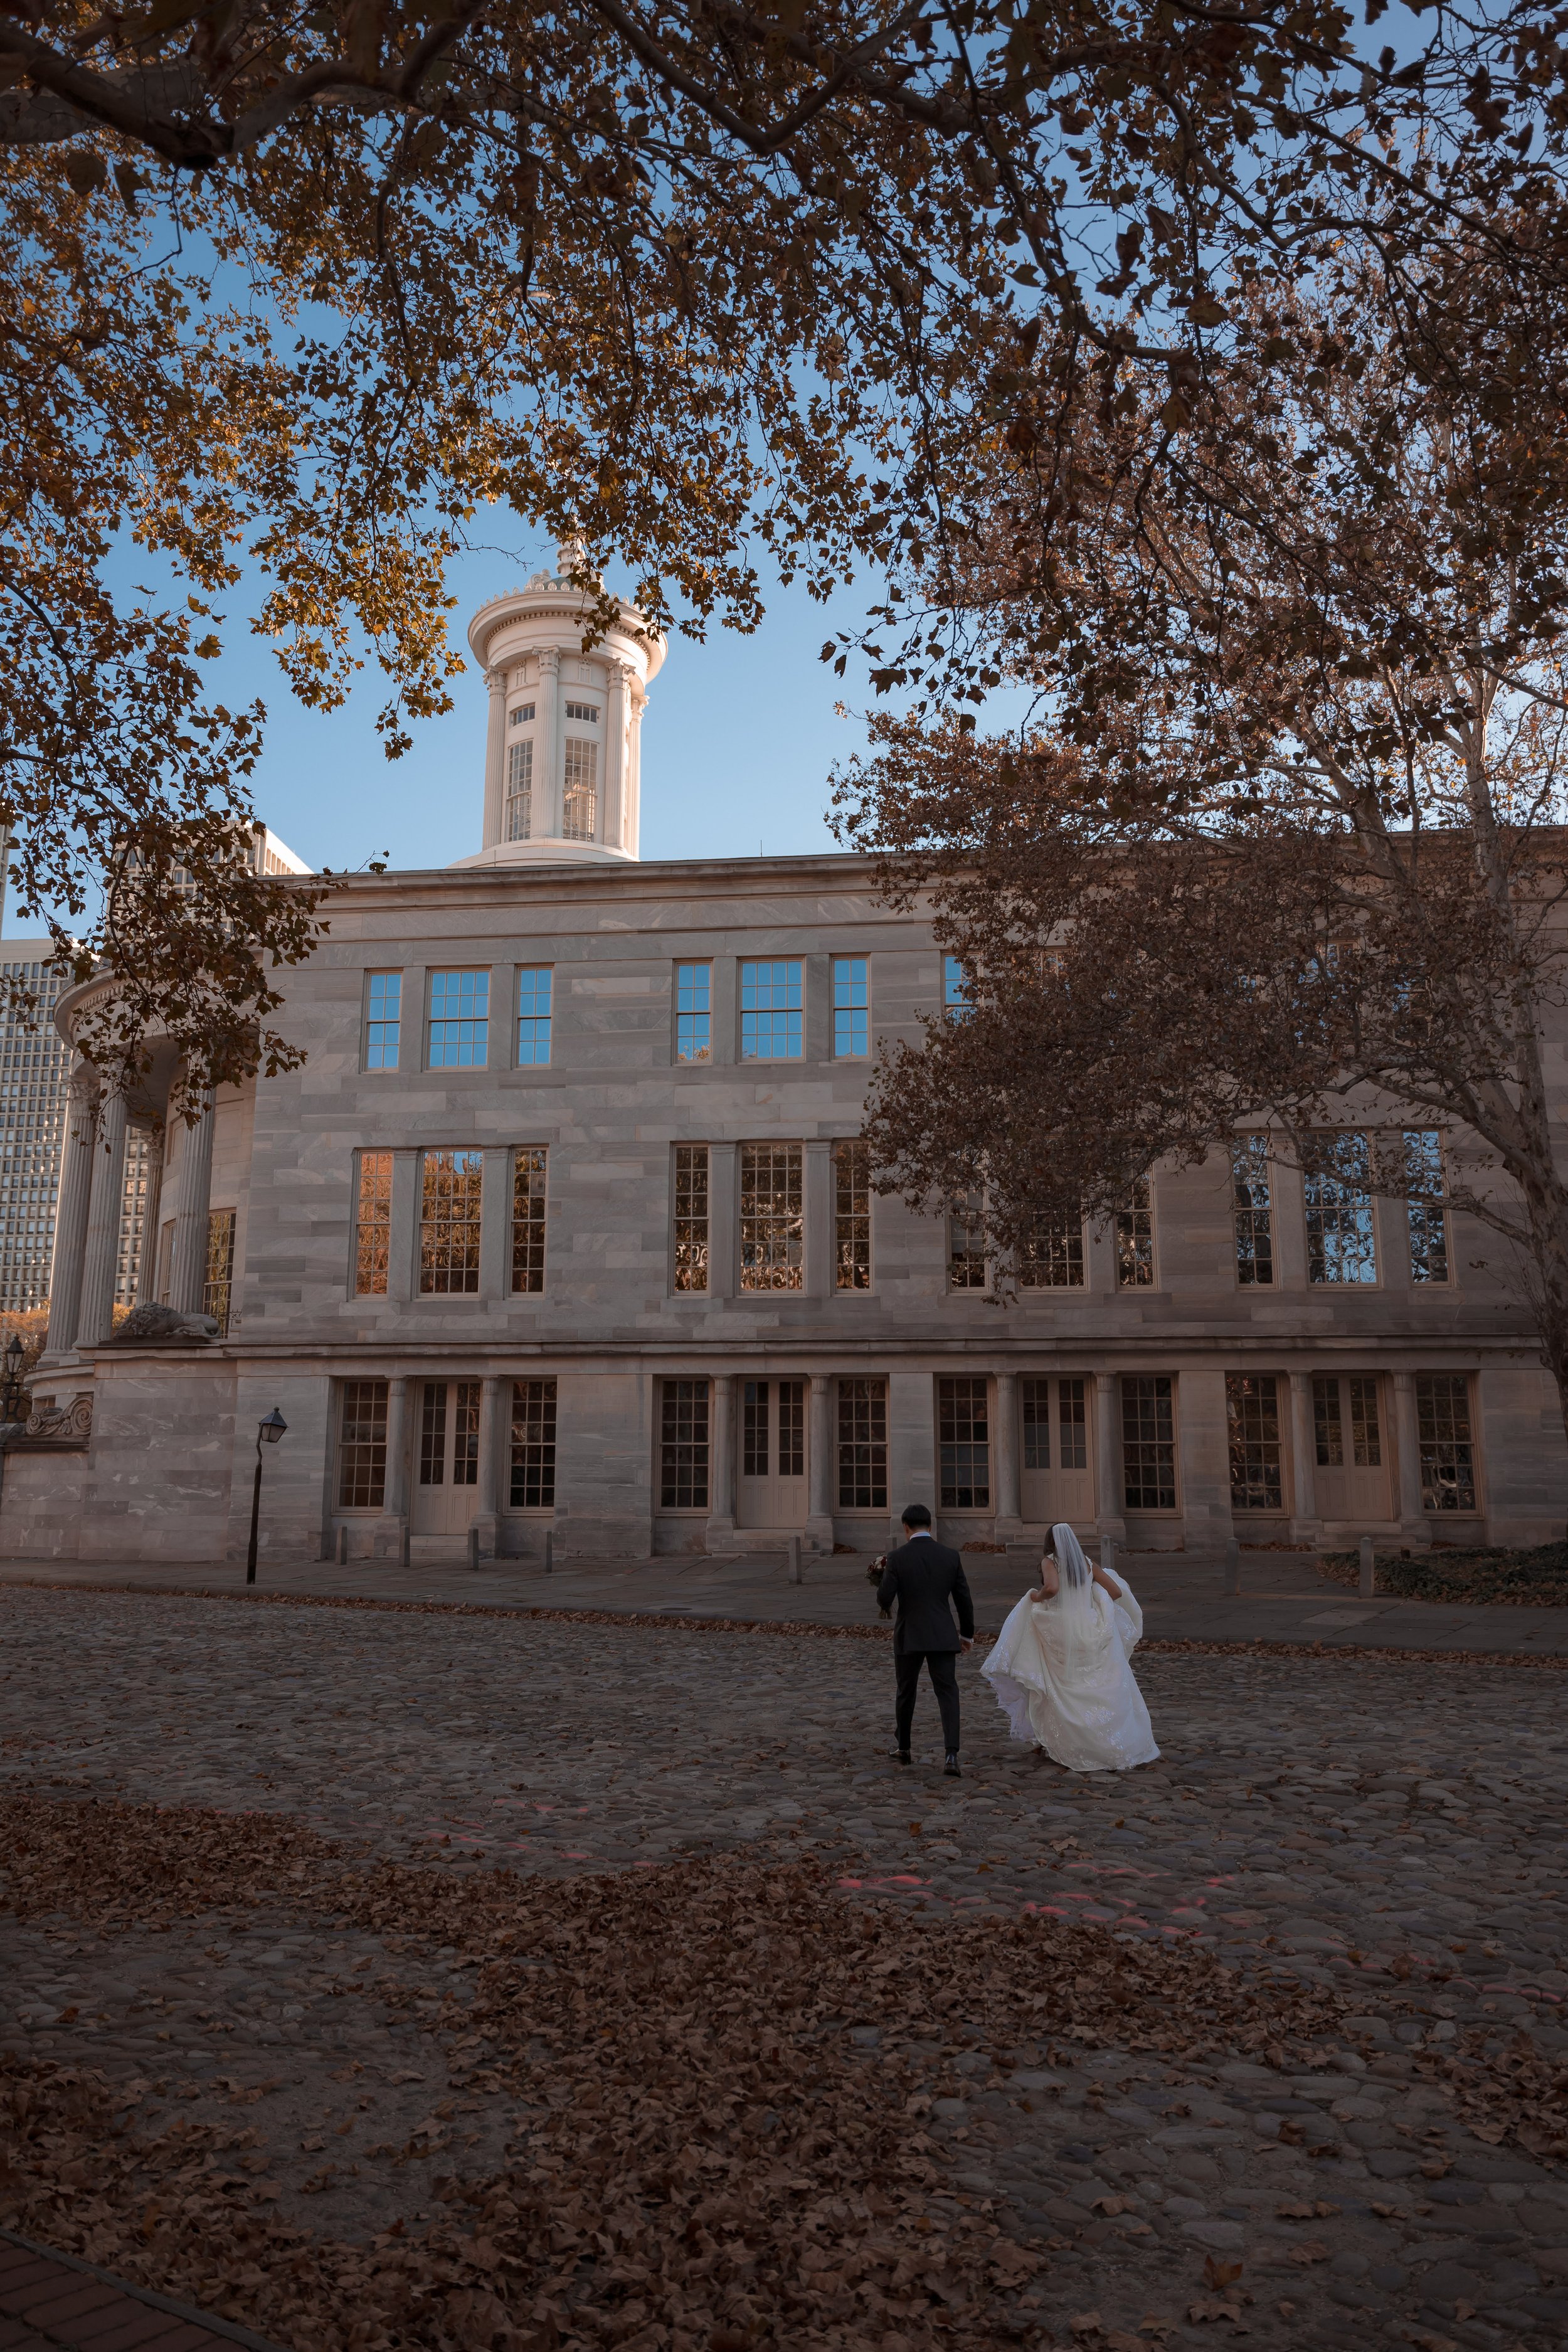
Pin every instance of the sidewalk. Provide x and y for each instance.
(1283, 1598)
(54, 2303)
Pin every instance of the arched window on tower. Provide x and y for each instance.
(520, 791)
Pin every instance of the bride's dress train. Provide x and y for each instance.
(1060, 1674)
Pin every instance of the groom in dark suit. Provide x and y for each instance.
(924, 1577)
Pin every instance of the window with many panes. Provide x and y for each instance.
(459, 1019)
(954, 989)
(690, 1234)
(1071, 1440)
(851, 1214)
(1328, 1422)
(532, 1485)
(534, 992)
(383, 1021)
(520, 791)
(772, 1444)
(1052, 1255)
(851, 1006)
(966, 1243)
(963, 1444)
(463, 1405)
(362, 1446)
(372, 1223)
(1148, 1441)
(1445, 1442)
(1427, 1217)
(522, 714)
(771, 1012)
(528, 1176)
(580, 794)
(1135, 1238)
(862, 1446)
(773, 1222)
(1252, 1417)
(1252, 1211)
(683, 1445)
(693, 1012)
(218, 1288)
(451, 1183)
(1337, 1179)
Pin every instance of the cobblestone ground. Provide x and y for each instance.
(1387, 1833)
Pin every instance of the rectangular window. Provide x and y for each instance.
(1071, 1423)
(362, 1446)
(862, 1446)
(459, 1019)
(532, 1446)
(1328, 1422)
(772, 1013)
(218, 1286)
(754, 1419)
(1035, 1399)
(954, 989)
(1135, 1239)
(1447, 1451)
(432, 1435)
(1148, 1441)
(587, 711)
(693, 1012)
(967, 1244)
(1252, 1414)
(755, 1429)
(691, 1216)
(580, 798)
(1366, 1438)
(1052, 1259)
(528, 1175)
(372, 1223)
(851, 1215)
(683, 1445)
(467, 1397)
(851, 1006)
(1423, 1207)
(963, 1445)
(522, 714)
(384, 1025)
(1341, 1244)
(1252, 1210)
(533, 995)
(773, 1225)
(450, 1184)
(520, 791)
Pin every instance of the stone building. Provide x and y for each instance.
(564, 1226)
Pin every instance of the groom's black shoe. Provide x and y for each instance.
(902, 1754)
(950, 1771)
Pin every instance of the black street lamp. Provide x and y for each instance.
(11, 1386)
(268, 1433)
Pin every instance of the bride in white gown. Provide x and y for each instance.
(1059, 1668)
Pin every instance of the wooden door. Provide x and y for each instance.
(446, 1468)
(1056, 1452)
(770, 1491)
(1351, 1447)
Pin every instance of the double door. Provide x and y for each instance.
(1057, 1456)
(446, 1457)
(770, 1491)
(1351, 1445)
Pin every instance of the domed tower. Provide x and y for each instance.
(561, 757)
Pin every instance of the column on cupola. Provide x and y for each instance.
(101, 1258)
(613, 817)
(633, 772)
(72, 1205)
(549, 754)
(193, 1199)
(147, 1268)
(495, 759)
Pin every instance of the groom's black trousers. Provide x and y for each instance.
(943, 1668)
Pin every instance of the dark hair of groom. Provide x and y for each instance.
(916, 1516)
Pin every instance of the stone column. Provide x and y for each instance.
(723, 1222)
(1407, 1441)
(485, 1504)
(70, 1215)
(147, 1271)
(1110, 1518)
(816, 1202)
(613, 811)
(106, 1212)
(495, 761)
(394, 1493)
(193, 1200)
(819, 1464)
(722, 1464)
(549, 756)
(1009, 1507)
(1303, 1460)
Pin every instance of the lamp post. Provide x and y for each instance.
(268, 1433)
(11, 1386)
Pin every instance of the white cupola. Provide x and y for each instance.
(562, 757)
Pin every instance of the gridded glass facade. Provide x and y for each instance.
(773, 1223)
(851, 1215)
(520, 790)
(34, 1069)
(362, 1446)
(528, 1183)
(459, 1019)
(690, 1217)
(532, 1485)
(693, 1012)
(1052, 1258)
(1447, 1445)
(1341, 1244)
(851, 1006)
(383, 1019)
(217, 1285)
(1148, 1441)
(1135, 1239)
(862, 1446)
(1252, 1417)
(1252, 1210)
(534, 992)
(769, 1447)
(683, 1445)
(963, 1444)
(967, 1244)
(1071, 1422)
(772, 1013)
(1329, 1422)
(580, 797)
(1424, 1212)
(140, 1149)
(372, 1223)
(449, 1186)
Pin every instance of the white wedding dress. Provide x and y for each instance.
(1060, 1674)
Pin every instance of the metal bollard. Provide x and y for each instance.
(549, 1551)
(473, 1546)
(408, 1544)
(1233, 1571)
(342, 1547)
(794, 1573)
(1368, 1570)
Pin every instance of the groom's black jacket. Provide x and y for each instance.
(924, 1577)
